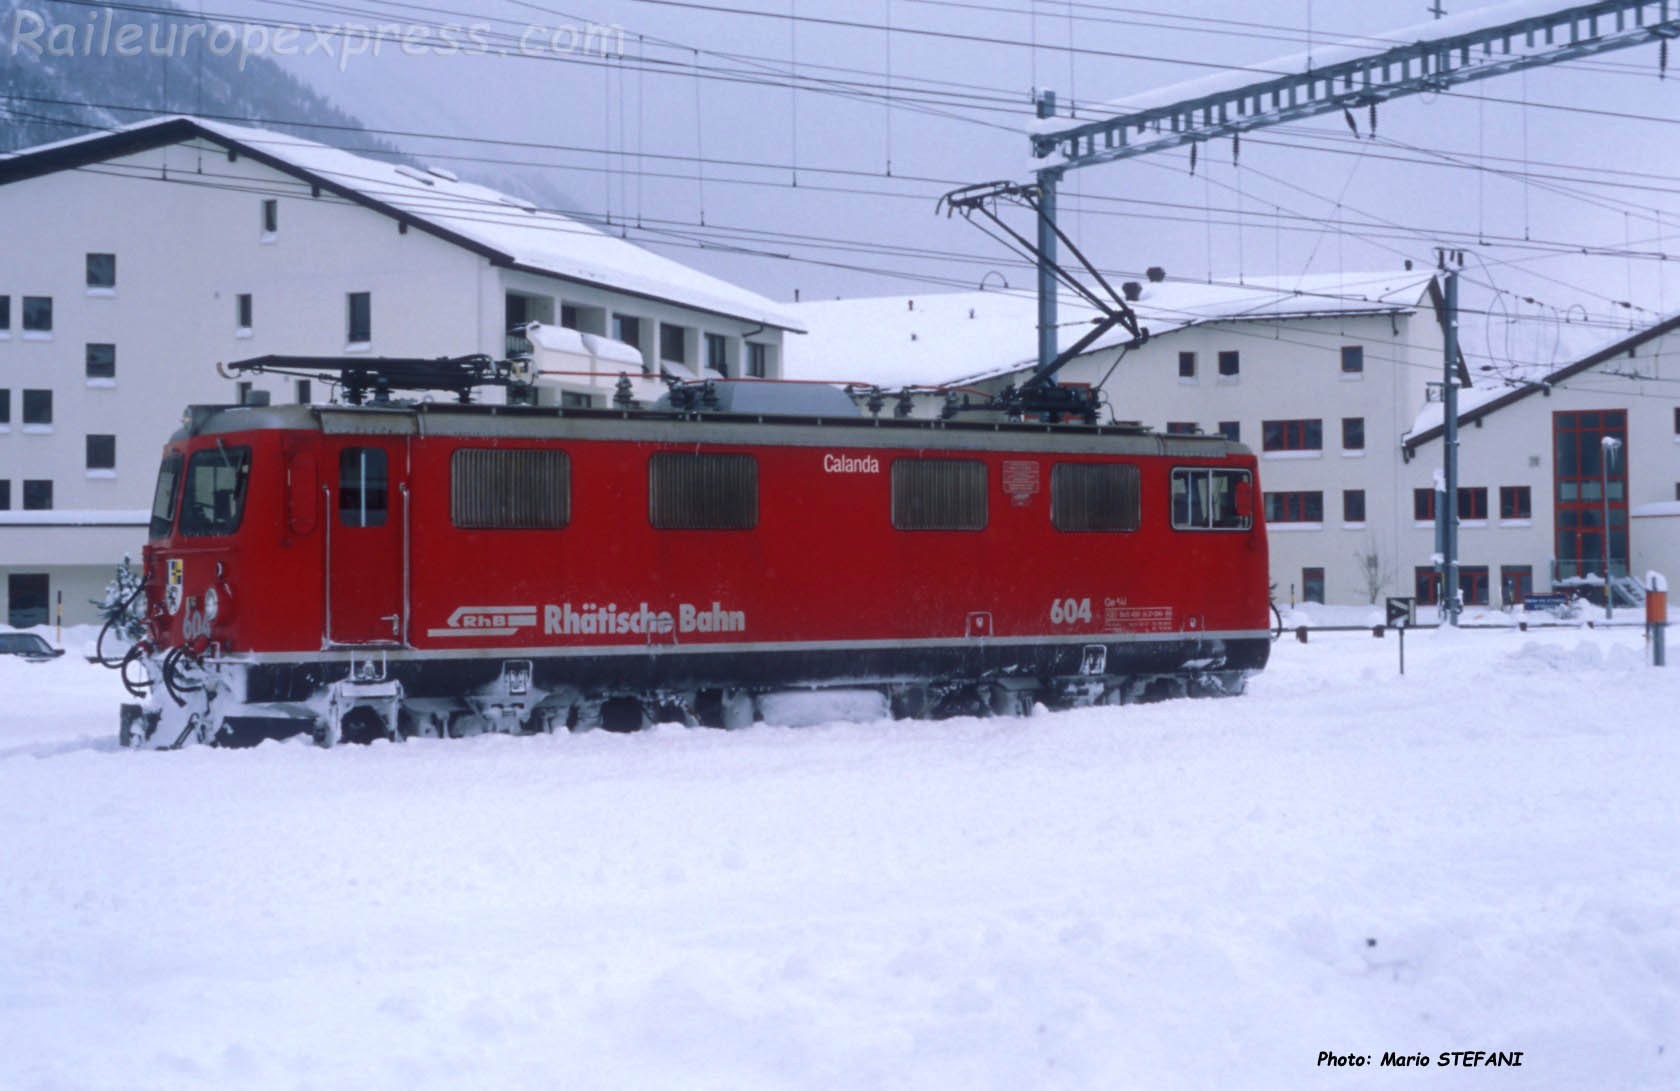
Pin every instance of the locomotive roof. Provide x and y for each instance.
(655, 426)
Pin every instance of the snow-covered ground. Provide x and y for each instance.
(1482, 855)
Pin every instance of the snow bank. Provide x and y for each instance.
(1479, 855)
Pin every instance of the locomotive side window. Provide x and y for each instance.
(703, 492)
(215, 494)
(163, 500)
(493, 489)
(1210, 499)
(938, 494)
(1094, 496)
(362, 493)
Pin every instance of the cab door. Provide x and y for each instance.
(367, 541)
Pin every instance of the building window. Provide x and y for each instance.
(244, 309)
(361, 318)
(101, 361)
(102, 452)
(1182, 428)
(214, 499)
(1295, 507)
(510, 490)
(5, 495)
(673, 343)
(37, 496)
(27, 595)
(102, 270)
(37, 314)
(1427, 586)
(1515, 502)
(1353, 433)
(702, 492)
(1472, 503)
(1353, 505)
(1580, 477)
(5, 406)
(758, 366)
(1516, 583)
(37, 407)
(1312, 585)
(1231, 430)
(1473, 584)
(6, 325)
(270, 216)
(1676, 410)
(363, 489)
(717, 353)
(628, 329)
(1228, 364)
(1353, 359)
(1292, 435)
(938, 494)
(576, 316)
(1423, 505)
(1186, 365)
(1209, 499)
(1094, 496)
(305, 394)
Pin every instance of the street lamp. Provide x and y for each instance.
(1611, 445)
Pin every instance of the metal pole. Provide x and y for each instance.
(1446, 519)
(1609, 444)
(1047, 180)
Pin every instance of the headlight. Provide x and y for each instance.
(212, 603)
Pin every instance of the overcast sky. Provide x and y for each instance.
(620, 137)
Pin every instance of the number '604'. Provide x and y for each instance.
(1068, 611)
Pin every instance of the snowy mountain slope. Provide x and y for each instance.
(1477, 856)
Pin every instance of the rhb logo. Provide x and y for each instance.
(488, 621)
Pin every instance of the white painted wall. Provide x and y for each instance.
(185, 224)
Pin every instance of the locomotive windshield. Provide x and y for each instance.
(215, 494)
(1207, 499)
(163, 500)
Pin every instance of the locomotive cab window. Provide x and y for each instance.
(938, 494)
(1094, 496)
(493, 489)
(214, 500)
(362, 492)
(163, 499)
(702, 492)
(1209, 499)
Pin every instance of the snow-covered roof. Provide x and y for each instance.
(946, 338)
(1538, 355)
(510, 230)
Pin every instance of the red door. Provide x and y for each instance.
(367, 550)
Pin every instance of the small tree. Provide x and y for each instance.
(122, 607)
(1375, 571)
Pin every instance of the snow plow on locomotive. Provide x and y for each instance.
(393, 569)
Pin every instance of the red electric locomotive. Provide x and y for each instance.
(383, 568)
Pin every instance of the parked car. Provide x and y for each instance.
(28, 646)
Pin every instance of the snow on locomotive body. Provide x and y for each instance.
(431, 569)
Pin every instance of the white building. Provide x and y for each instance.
(137, 260)
(1322, 376)
(1534, 487)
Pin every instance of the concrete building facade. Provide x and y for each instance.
(136, 261)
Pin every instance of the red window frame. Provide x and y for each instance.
(1516, 502)
(1423, 505)
(1292, 435)
(1294, 507)
(1472, 502)
(1427, 586)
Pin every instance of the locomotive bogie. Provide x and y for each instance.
(433, 571)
